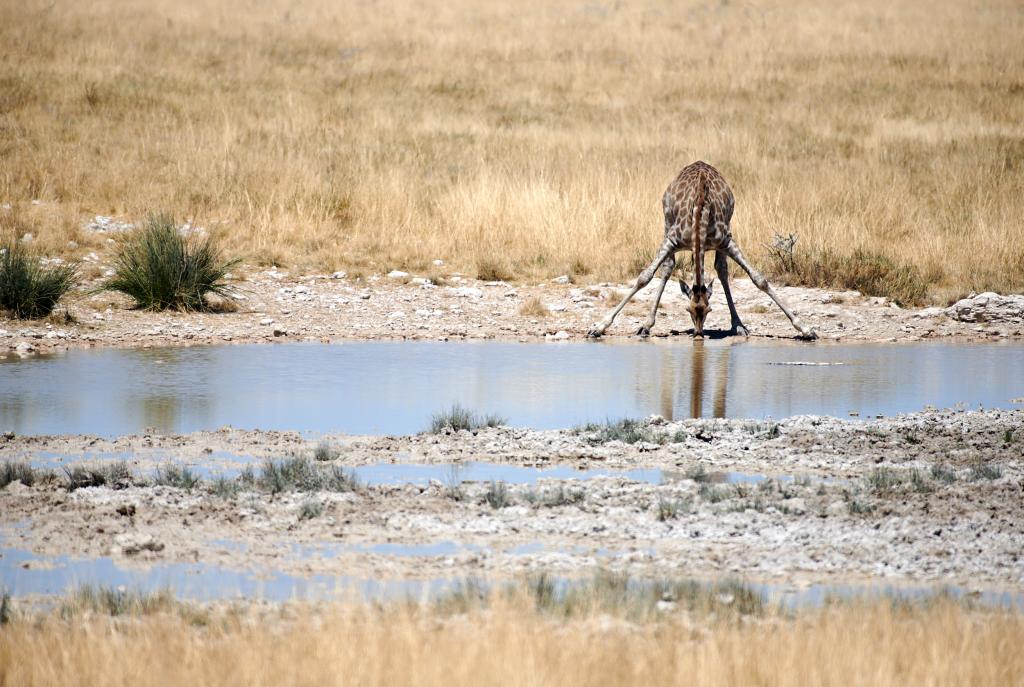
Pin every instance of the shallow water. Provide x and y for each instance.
(395, 387)
(60, 575)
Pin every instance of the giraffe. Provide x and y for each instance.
(698, 206)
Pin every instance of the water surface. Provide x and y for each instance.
(395, 387)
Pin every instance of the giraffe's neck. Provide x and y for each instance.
(698, 235)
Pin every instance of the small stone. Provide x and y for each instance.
(397, 274)
(97, 316)
(564, 279)
(280, 332)
(340, 274)
(796, 506)
(267, 320)
(561, 335)
(438, 263)
(396, 315)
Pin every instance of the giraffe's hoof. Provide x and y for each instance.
(643, 332)
(740, 330)
(808, 334)
(594, 333)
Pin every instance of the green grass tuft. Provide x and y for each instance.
(310, 509)
(980, 471)
(17, 472)
(176, 476)
(161, 269)
(458, 418)
(497, 495)
(114, 475)
(29, 289)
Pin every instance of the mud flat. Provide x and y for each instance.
(929, 498)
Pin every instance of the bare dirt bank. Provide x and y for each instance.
(277, 307)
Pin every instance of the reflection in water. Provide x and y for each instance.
(395, 387)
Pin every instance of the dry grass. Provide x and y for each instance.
(534, 308)
(510, 643)
(521, 141)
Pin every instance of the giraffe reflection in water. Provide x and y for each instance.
(701, 369)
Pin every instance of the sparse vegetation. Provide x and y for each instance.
(5, 607)
(698, 474)
(177, 476)
(16, 472)
(555, 497)
(669, 509)
(534, 308)
(299, 473)
(980, 471)
(116, 475)
(629, 431)
(497, 495)
(326, 451)
(457, 418)
(310, 509)
(116, 602)
(162, 269)
(28, 288)
(943, 473)
(224, 488)
(712, 494)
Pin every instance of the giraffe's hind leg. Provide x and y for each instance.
(665, 273)
(668, 247)
(760, 282)
(722, 268)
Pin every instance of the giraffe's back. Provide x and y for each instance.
(680, 197)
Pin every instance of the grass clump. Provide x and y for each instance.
(161, 269)
(225, 488)
(114, 475)
(871, 273)
(534, 308)
(5, 607)
(669, 509)
(625, 430)
(326, 451)
(117, 602)
(28, 289)
(17, 472)
(497, 495)
(458, 418)
(310, 509)
(299, 473)
(555, 497)
(943, 473)
(176, 476)
(489, 269)
(884, 480)
(980, 471)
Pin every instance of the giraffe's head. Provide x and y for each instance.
(700, 304)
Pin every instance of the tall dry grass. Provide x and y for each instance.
(534, 138)
(512, 643)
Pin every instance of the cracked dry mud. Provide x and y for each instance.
(926, 498)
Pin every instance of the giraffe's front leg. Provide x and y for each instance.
(760, 282)
(667, 249)
(665, 273)
(722, 268)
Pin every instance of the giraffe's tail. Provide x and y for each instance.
(699, 231)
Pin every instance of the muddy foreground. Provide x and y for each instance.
(927, 498)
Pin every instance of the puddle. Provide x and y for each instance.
(60, 575)
(395, 387)
(455, 473)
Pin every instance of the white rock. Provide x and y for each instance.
(564, 279)
(340, 274)
(438, 263)
(397, 274)
(421, 281)
(396, 315)
(97, 316)
(988, 307)
(557, 336)
(267, 320)
(467, 292)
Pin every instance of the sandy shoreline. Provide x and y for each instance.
(277, 307)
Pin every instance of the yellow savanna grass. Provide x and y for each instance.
(511, 643)
(532, 137)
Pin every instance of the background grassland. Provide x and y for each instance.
(534, 136)
(512, 644)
